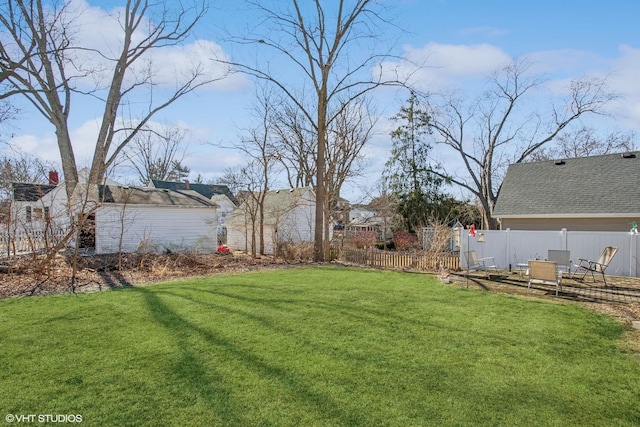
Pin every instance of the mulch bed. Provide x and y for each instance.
(24, 276)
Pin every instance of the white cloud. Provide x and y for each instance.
(620, 73)
(623, 79)
(100, 34)
(572, 62)
(438, 67)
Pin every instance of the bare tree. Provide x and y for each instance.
(325, 45)
(347, 136)
(232, 178)
(261, 152)
(585, 142)
(253, 203)
(50, 66)
(7, 113)
(16, 166)
(158, 154)
(295, 143)
(498, 129)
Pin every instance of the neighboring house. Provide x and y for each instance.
(221, 195)
(597, 193)
(131, 219)
(30, 205)
(289, 216)
(225, 207)
(119, 217)
(380, 225)
(36, 204)
(35, 207)
(361, 211)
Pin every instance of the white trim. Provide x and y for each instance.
(587, 216)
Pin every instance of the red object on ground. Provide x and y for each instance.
(223, 249)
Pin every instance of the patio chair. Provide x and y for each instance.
(563, 258)
(544, 272)
(483, 264)
(596, 266)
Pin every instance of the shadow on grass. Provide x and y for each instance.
(208, 386)
(114, 280)
(388, 322)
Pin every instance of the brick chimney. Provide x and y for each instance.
(186, 185)
(53, 178)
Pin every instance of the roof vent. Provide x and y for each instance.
(560, 162)
(628, 155)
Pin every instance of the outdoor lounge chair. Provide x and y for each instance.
(563, 258)
(596, 266)
(484, 264)
(544, 272)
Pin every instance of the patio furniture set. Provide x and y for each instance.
(549, 271)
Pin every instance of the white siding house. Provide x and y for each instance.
(116, 217)
(39, 214)
(149, 220)
(154, 229)
(289, 216)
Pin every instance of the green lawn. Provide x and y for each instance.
(325, 346)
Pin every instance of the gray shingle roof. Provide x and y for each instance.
(588, 186)
(152, 196)
(207, 190)
(23, 192)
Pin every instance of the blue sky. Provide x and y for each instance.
(463, 41)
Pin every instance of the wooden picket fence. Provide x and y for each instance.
(398, 260)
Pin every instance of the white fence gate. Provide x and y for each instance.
(513, 247)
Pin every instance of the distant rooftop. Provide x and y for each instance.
(585, 186)
(152, 196)
(207, 190)
(23, 192)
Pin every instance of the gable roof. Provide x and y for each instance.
(23, 192)
(596, 186)
(152, 196)
(207, 190)
(276, 204)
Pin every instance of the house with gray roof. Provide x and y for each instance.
(135, 219)
(289, 216)
(596, 193)
(118, 217)
(26, 201)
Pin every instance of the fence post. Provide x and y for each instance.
(633, 255)
(508, 231)
(565, 240)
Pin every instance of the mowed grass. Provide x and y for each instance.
(321, 346)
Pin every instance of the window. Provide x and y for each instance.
(28, 213)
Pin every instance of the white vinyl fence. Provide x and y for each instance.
(512, 247)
